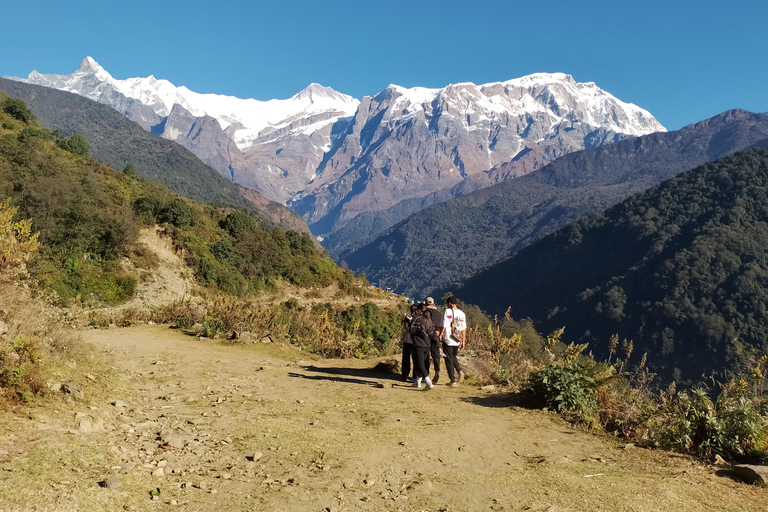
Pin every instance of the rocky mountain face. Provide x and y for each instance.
(363, 165)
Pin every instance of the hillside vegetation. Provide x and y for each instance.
(452, 240)
(118, 142)
(681, 270)
(89, 215)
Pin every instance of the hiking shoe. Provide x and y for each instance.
(461, 377)
(417, 384)
(429, 383)
(453, 384)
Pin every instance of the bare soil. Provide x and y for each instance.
(219, 427)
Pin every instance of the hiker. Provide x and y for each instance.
(422, 328)
(435, 349)
(454, 338)
(406, 343)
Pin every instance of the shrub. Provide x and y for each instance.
(17, 109)
(211, 328)
(17, 242)
(177, 212)
(732, 426)
(567, 387)
(238, 224)
(19, 374)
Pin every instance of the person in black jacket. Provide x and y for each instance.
(435, 349)
(422, 330)
(406, 343)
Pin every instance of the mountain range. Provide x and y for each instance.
(433, 250)
(366, 164)
(681, 269)
(118, 142)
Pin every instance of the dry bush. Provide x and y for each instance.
(33, 343)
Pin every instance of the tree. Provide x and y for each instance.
(177, 213)
(17, 109)
(239, 223)
(129, 171)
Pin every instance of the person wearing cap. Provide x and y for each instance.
(454, 338)
(435, 349)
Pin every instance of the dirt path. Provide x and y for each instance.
(325, 435)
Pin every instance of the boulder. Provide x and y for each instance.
(752, 474)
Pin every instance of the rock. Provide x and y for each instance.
(254, 456)
(489, 387)
(348, 483)
(87, 424)
(629, 446)
(111, 482)
(421, 487)
(150, 448)
(71, 389)
(669, 494)
(751, 473)
(120, 404)
(159, 472)
(720, 461)
(174, 442)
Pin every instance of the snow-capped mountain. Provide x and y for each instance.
(337, 160)
(405, 144)
(248, 115)
(218, 128)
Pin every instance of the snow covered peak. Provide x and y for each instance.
(556, 95)
(250, 116)
(317, 93)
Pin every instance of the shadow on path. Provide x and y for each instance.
(366, 373)
(496, 400)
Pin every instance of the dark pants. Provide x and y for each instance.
(420, 357)
(407, 355)
(452, 361)
(434, 351)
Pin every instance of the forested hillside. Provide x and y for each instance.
(453, 240)
(118, 142)
(89, 215)
(682, 270)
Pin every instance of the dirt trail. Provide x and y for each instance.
(326, 435)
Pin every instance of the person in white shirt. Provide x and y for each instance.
(454, 338)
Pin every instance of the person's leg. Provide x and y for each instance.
(407, 350)
(456, 364)
(435, 351)
(414, 359)
(449, 362)
(419, 370)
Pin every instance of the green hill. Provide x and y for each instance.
(681, 269)
(118, 142)
(450, 241)
(89, 216)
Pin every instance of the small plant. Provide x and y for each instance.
(211, 328)
(567, 387)
(185, 322)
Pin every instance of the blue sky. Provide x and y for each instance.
(683, 61)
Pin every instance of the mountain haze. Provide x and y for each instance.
(453, 240)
